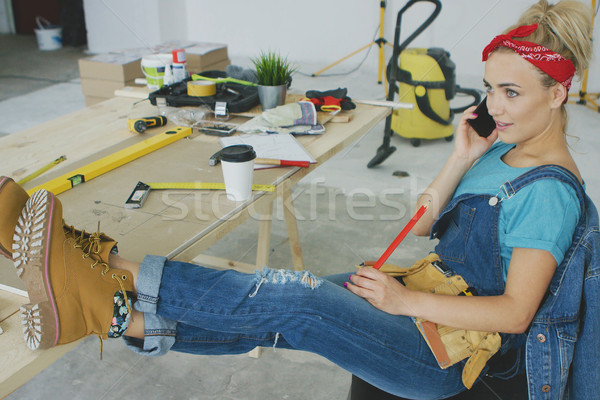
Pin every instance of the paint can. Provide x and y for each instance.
(49, 37)
(156, 67)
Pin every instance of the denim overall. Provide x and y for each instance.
(563, 344)
(193, 309)
(561, 350)
(467, 230)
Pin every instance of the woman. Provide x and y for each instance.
(508, 249)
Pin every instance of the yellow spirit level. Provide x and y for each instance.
(108, 163)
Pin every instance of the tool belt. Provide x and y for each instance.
(448, 345)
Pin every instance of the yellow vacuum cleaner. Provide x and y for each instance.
(425, 78)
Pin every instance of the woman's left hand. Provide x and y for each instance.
(381, 290)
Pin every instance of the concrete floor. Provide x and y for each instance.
(347, 213)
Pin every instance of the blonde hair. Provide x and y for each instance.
(565, 28)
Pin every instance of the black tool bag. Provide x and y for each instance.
(239, 98)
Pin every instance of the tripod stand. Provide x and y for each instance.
(381, 42)
(584, 98)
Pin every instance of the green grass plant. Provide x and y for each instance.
(272, 69)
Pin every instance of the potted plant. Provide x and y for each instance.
(274, 74)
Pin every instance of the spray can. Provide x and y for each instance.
(179, 65)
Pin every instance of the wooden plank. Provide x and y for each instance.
(76, 135)
(196, 245)
(263, 247)
(289, 213)
(322, 147)
(10, 303)
(342, 117)
(134, 92)
(255, 352)
(339, 136)
(223, 263)
(18, 363)
(180, 225)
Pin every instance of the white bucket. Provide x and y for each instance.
(154, 67)
(49, 37)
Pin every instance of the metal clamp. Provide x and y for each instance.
(221, 110)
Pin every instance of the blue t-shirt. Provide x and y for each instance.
(542, 215)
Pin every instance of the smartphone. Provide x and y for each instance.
(484, 124)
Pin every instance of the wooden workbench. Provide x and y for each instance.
(177, 224)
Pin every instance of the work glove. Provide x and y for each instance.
(330, 100)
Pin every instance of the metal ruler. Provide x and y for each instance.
(202, 186)
(108, 163)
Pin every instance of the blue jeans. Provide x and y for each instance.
(193, 309)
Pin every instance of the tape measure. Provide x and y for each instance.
(201, 88)
(202, 186)
(142, 190)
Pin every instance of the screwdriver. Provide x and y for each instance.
(141, 124)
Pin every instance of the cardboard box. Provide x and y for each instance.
(119, 67)
(102, 88)
(91, 100)
(203, 55)
(102, 74)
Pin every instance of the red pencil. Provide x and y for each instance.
(400, 237)
(290, 163)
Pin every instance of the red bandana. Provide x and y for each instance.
(556, 66)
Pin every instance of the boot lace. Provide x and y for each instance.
(90, 244)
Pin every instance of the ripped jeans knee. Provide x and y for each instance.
(284, 276)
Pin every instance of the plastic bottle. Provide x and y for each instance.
(179, 65)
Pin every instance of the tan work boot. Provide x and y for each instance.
(12, 201)
(70, 290)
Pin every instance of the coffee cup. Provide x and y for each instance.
(238, 168)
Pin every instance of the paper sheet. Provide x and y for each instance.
(280, 146)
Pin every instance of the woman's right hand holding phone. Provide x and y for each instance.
(468, 144)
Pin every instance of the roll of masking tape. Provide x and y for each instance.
(201, 88)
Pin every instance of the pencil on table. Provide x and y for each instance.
(287, 163)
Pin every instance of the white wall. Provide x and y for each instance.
(309, 31)
(322, 32)
(121, 24)
(172, 19)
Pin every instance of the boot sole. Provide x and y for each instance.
(31, 254)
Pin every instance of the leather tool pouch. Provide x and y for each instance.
(449, 345)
